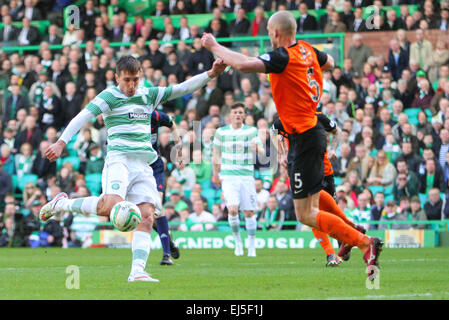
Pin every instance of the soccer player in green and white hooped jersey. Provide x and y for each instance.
(126, 173)
(233, 162)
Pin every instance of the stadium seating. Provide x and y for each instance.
(412, 114)
(25, 179)
(93, 183)
(376, 189)
(75, 161)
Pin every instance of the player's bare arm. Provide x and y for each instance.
(234, 59)
(54, 151)
(330, 63)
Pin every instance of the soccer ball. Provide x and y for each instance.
(125, 216)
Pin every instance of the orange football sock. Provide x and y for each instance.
(324, 241)
(327, 203)
(338, 229)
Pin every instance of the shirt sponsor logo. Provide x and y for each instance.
(138, 116)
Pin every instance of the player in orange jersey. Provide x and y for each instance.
(295, 74)
(329, 186)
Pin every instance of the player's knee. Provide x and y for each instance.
(147, 211)
(306, 216)
(106, 203)
(248, 214)
(233, 211)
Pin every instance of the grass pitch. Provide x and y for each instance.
(219, 275)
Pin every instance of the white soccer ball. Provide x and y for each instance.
(125, 216)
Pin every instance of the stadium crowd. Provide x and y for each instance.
(392, 162)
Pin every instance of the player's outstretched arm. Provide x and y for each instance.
(198, 81)
(54, 151)
(234, 59)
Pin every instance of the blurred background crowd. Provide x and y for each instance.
(393, 160)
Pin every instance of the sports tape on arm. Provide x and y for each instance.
(76, 124)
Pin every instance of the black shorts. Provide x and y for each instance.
(329, 185)
(305, 161)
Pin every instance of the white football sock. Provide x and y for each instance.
(86, 205)
(251, 227)
(141, 250)
(234, 222)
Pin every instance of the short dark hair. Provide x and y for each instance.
(128, 63)
(238, 105)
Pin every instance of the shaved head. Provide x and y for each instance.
(283, 21)
(281, 29)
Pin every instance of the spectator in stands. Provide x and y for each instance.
(377, 208)
(31, 134)
(434, 205)
(433, 177)
(340, 165)
(13, 104)
(358, 53)
(271, 218)
(397, 59)
(29, 11)
(7, 159)
(161, 9)
(53, 35)
(24, 160)
(412, 159)
(360, 163)
(199, 219)
(50, 110)
(443, 22)
(41, 166)
(28, 35)
(383, 173)
(424, 96)
(393, 22)
(440, 56)
(347, 15)
(416, 213)
(259, 24)
(200, 60)
(421, 50)
(362, 213)
(335, 25)
(240, 25)
(442, 146)
(8, 32)
(305, 22)
(392, 213)
(358, 24)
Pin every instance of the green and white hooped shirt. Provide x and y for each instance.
(128, 120)
(237, 155)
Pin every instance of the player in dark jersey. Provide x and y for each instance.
(160, 119)
(295, 70)
(328, 186)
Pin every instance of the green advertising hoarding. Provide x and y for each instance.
(264, 239)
